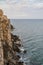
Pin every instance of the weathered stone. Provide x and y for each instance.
(12, 28)
(4, 35)
(1, 12)
(9, 43)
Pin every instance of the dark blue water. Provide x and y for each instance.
(31, 32)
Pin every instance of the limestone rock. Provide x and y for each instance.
(9, 43)
(1, 12)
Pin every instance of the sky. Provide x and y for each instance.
(22, 9)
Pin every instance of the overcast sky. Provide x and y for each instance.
(25, 9)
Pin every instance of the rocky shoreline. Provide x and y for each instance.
(10, 44)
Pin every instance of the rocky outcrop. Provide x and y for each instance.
(9, 43)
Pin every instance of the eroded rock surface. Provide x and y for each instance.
(9, 43)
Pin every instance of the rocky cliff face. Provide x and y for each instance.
(9, 43)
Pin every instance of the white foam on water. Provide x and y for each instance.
(25, 58)
(21, 59)
(24, 63)
(22, 49)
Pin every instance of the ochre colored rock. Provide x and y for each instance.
(4, 34)
(9, 43)
(1, 12)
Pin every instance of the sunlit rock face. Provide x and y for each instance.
(1, 12)
(9, 43)
(5, 36)
(6, 28)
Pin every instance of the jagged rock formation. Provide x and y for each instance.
(9, 43)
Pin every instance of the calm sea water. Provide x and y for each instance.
(31, 32)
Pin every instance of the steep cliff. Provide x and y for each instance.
(9, 43)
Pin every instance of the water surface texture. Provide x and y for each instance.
(31, 32)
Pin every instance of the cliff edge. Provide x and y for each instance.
(9, 43)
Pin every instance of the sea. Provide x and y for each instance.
(30, 32)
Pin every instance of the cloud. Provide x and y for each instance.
(23, 8)
(21, 3)
(26, 3)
